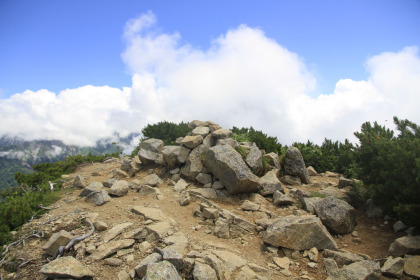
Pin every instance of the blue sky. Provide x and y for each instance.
(59, 45)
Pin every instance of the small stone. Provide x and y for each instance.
(113, 261)
(313, 254)
(399, 226)
(354, 234)
(312, 264)
(283, 263)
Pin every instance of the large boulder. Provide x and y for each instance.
(163, 270)
(170, 155)
(66, 267)
(193, 166)
(254, 160)
(227, 165)
(269, 183)
(192, 141)
(149, 150)
(361, 270)
(336, 214)
(119, 188)
(405, 245)
(412, 265)
(299, 233)
(222, 133)
(197, 123)
(201, 130)
(294, 165)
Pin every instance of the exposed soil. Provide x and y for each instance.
(372, 242)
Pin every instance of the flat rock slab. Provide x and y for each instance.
(110, 248)
(299, 233)
(149, 213)
(116, 230)
(66, 267)
(56, 240)
(412, 265)
(160, 229)
(204, 192)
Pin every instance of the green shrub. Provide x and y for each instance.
(264, 142)
(242, 151)
(168, 132)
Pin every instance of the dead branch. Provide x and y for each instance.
(22, 240)
(47, 208)
(62, 249)
(49, 221)
(25, 263)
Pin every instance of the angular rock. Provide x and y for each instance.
(250, 206)
(149, 213)
(309, 203)
(342, 257)
(193, 165)
(113, 261)
(210, 213)
(269, 183)
(412, 265)
(183, 154)
(116, 230)
(344, 182)
(141, 267)
(224, 263)
(227, 165)
(192, 141)
(208, 193)
(283, 263)
(272, 159)
(197, 123)
(56, 240)
(66, 267)
(151, 180)
(185, 199)
(399, 226)
(222, 133)
(174, 257)
(79, 182)
(254, 160)
(201, 130)
(160, 230)
(145, 190)
(110, 248)
(98, 198)
(280, 199)
(163, 270)
(181, 185)
(217, 185)
(92, 188)
(336, 214)
(291, 180)
(312, 171)
(204, 178)
(393, 267)
(226, 141)
(119, 188)
(149, 150)
(405, 245)
(131, 167)
(204, 272)
(118, 173)
(108, 183)
(299, 233)
(362, 270)
(171, 154)
(294, 165)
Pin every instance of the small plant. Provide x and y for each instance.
(242, 151)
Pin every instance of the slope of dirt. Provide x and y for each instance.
(73, 210)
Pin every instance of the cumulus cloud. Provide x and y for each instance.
(243, 79)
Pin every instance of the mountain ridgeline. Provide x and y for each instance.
(18, 155)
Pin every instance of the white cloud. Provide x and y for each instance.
(243, 79)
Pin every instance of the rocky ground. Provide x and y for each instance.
(155, 224)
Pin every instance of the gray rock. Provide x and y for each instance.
(149, 213)
(56, 240)
(299, 233)
(393, 267)
(151, 180)
(412, 265)
(225, 263)
(227, 141)
(183, 154)
(174, 257)
(208, 193)
(149, 150)
(204, 272)
(197, 123)
(280, 199)
(344, 182)
(336, 214)
(116, 230)
(163, 270)
(312, 171)
(108, 183)
(171, 154)
(174, 171)
(141, 267)
(227, 165)
(210, 213)
(342, 257)
(217, 185)
(181, 185)
(362, 270)
(405, 245)
(118, 173)
(399, 226)
(193, 165)
(131, 167)
(254, 160)
(113, 262)
(145, 190)
(192, 141)
(92, 188)
(98, 198)
(66, 267)
(372, 210)
(119, 188)
(210, 141)
(294, 165)
(201, 130)
(79, 182)
(250, 206)
(204, 178)
(185, 199)
(272, 159)
(291, 180)
(159, 230)
(222, 133)
(309, 203)
(110, 248)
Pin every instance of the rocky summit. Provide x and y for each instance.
(205, 209)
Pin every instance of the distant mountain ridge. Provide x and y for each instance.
(19, 155)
